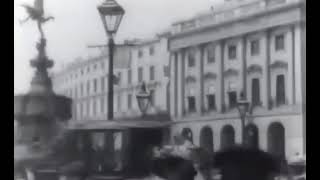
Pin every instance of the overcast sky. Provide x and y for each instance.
(77, 24)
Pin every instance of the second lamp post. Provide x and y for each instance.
(111, 14)
(243, 107)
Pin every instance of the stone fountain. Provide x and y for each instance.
(41, 115)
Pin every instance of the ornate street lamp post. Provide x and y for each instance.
(143, 98)
(111, 14)
(243, 108)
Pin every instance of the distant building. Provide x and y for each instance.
(252, 46)
(86, 81)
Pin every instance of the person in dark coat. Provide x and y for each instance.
(241, 163)
(173, 168)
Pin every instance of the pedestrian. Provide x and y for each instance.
(173, 168)
(242, 163)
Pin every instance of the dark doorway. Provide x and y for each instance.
(255, 92)
(206, 139)
(252, 136)
(227, 137)
(276, 139)
(187, 133)
(280, 90)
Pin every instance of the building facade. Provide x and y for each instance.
(149, 63)
(136, 61)
(255, 48)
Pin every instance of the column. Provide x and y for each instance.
(172, 83)
(179, 83)
(244, 65)
(202, 47)
(221, 75)
(268, 75)
(290, 76)
(303, 79)
(182, 80)
(293, 79)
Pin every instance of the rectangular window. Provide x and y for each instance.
(232, 99)
(70, 92)
(191, 60)
(76, 92)
(151, 73)
(94, 107)
(211, 55)
(140, 54)
(255, 89)
(81, 110)
(151, 50)
(211, 101)
(102, 105)
(81, 90)
(88, 88)
(95, 85)
(88, 108)
(255, 47)
(166, 71)
(280, 90)
(119, 78)
(279, 42)
(102, 65)
(129, 101)
(152, 99)
(119, 102)
(129, 76)
(232, 52)
(140, 74)
(191, 104)
(102, 84)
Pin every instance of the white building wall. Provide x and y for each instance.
(289, 115)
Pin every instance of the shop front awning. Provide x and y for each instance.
(148, 121)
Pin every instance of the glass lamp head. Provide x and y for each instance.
(111, 14)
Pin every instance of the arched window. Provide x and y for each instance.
(187, 133)
(276, 139)
(206, 139)
(252, 136)
(227, 137)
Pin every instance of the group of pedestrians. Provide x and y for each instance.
(185, 161)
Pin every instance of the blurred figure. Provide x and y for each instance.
(173, 168)
(240, 163)
(118, 150)
(203, 161)
(182, 147)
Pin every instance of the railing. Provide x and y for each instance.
(227, 15)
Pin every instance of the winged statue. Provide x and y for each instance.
(36, 13)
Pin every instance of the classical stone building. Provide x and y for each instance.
(252, 46)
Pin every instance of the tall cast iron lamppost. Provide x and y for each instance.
(243, 108)
(111, 14)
